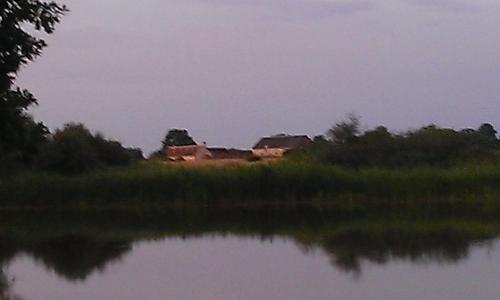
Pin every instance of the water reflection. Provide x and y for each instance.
(76, 256)
(76, 245)
(6, 292)
(350, 248)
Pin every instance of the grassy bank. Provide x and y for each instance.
(279, 183)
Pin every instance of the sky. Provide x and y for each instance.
(231, 71)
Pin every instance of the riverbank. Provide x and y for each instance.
(281, 183)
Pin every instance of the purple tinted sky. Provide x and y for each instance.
(233, 70)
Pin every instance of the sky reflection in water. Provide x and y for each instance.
(279, 256)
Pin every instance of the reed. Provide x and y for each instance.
(280, 183)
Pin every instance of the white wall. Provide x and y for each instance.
(268, 152)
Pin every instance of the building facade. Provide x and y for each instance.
(278, 145)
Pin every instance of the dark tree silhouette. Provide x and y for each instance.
(345, 131)
(177, 137)
(429, 145)
(74, 149)
(488, 130)
(18, 46)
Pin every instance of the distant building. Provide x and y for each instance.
(224, 153)
(201, 152)
(278, 145)
(187, 153)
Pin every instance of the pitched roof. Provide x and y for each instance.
(284, 142)
(224, 153)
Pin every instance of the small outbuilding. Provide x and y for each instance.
(278, 145)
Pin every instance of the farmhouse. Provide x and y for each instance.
(201, 152)
(224, 153)
(187, 153)
(278, 145)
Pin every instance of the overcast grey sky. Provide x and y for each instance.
(231, 71)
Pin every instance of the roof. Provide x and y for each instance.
(284, 142)
(178, 151)
(224, 153)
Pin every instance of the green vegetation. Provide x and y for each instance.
(24, 143)
(349, 169)
(74, 149)
(468, 187)
(20, 136)
(430, 145)
(375, 195)
(177, 137)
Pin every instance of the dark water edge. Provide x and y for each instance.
(76, 244)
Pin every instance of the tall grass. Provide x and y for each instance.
(282, 183)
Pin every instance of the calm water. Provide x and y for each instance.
(248, 255)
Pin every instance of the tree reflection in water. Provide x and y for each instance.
(77, 256)
(74, 257)
(76, 245)
(6, 292)
(350, 248)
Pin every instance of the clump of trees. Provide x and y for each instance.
(74, 149)
(177, 137)
(25, 143)
(347, 145)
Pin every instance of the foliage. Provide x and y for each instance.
(286, 182)
(74, 149)
(345, 131)
(487, 130)
(157, 155)
(177, 137)
(18, 132)
(17, 45)
(20, 136)
(429, 145)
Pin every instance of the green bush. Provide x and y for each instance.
(428, 145)
(74, 150)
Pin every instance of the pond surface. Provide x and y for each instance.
(248, 255)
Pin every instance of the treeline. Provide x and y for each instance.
(346, 145)
(72, 149)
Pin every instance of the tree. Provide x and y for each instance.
(70, 151)
(320, 140)
(17, 46)
(345, 131)
(177, 137)
(18, 19)
(20, 135)
(377, 135)
(487, 130)
(74, 149)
